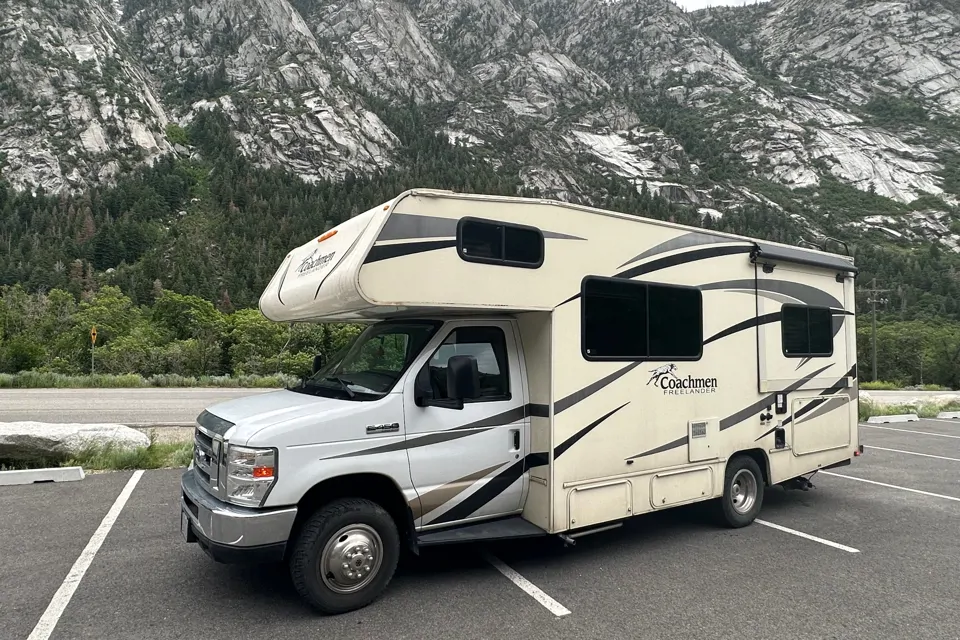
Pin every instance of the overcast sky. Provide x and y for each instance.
(693, 5)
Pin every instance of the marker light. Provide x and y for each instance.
(328, 234)
(263, 472)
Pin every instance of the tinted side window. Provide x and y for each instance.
(482, 240)
(522, 245)
(505, 244)
(614, 319)
(627, 320)
(675, 321)
(489, 347)
(806, 331)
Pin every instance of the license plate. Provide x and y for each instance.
(184, 526)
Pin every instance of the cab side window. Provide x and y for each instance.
(489, 346)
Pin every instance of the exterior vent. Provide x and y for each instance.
(698, 430)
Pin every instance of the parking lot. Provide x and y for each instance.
(872, 552)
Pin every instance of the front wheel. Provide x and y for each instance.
(742, 492)
(345, 555)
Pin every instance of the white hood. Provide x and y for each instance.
(288, 418)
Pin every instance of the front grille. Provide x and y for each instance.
(206, 459)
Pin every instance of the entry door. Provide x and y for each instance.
(469, 463)
(805, 352)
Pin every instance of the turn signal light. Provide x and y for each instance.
(328, 234)
(263, 472)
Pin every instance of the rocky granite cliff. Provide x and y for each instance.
(840, 114)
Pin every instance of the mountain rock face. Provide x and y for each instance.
(75, 103)
(793, 102)
(259, 61)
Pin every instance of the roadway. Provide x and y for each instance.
(871, 552)
(908, 397)
(115, 406)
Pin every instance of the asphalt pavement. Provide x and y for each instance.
(116, 406)
(869, 553)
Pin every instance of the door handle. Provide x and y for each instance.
(516, 439)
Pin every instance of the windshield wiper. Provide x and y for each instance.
(342, 384)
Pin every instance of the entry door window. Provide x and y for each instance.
(489, 346)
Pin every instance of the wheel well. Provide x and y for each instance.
(760, 457)
(372, 486)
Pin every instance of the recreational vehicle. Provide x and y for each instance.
(527, 368)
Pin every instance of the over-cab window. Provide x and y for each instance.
(492, 242)
(489, 347)
(628, 320)
(807, 332)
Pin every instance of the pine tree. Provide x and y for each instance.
(225, 306)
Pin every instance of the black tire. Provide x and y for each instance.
(363, 516)
(742, 469)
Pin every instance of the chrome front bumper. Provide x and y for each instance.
(230, 533)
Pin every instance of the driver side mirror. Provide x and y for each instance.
(318, 361)
(463, 382)
(463, 378)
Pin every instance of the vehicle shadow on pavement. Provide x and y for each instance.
(449, 566)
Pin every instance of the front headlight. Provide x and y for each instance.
(251, 472)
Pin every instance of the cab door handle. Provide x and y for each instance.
(516, 439)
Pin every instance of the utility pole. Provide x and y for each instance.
(873, 300)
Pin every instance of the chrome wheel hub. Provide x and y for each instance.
(743, 491)
(351, 558)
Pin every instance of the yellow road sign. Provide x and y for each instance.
(93, 335)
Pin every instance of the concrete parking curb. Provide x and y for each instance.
(905, 417)
(51, 474)
(948, 415)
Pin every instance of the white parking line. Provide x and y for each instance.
(953, 421)
(913, 453)
(531, 589)
(829, 543)
(923, 433)
(893, 486)
(48, 621)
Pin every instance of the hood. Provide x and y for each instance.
(252, 413)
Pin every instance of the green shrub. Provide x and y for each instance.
(879, 385)
(38, 380)
(156, 455)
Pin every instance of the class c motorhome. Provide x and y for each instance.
(528, 368)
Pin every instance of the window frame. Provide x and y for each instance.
(503, 241)
(806, 308)
(646, 285)
(506, 369)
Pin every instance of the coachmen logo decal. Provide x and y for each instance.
(310, 264)
(666, 378)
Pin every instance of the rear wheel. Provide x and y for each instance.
(742, 492)
(345, 555)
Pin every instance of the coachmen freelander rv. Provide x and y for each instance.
(529, 368)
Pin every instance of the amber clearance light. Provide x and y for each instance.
(328, 234)
(263, 472)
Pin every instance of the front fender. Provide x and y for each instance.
(302, 467)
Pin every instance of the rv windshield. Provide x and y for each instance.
(368, 368)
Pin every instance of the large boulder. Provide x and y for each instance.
(30, 441)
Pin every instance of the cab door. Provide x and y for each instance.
(469, 463)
